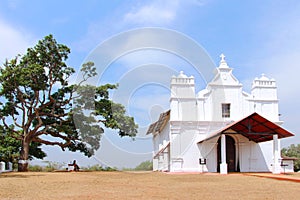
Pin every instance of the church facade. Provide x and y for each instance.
(220, 128)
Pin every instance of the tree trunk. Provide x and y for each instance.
(23, 161)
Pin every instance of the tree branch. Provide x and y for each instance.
(62, 145)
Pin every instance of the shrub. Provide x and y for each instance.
(94, 168)
(98, 167)
(145, 166)
(35, 168)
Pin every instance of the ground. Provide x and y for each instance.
(142, 185)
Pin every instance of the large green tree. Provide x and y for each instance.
(294, 152)
(39, 105)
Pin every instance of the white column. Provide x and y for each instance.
(223, 165)
(276, 155)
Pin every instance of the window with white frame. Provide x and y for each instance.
(225, 110)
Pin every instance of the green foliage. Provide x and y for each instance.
(113, 113)
(50, 167)
(293, 151)
(37, 100)
(10, 148)
(98, 167)
(145, 166)
(35, 168)
(110, 169)
(93, 168)
(53, 166)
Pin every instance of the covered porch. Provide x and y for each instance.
(254, 128)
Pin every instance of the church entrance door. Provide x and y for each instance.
(230, 154)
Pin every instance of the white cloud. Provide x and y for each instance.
(159, 12)
(156, 13)
(13, 41)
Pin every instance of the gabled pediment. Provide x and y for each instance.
(224, 77)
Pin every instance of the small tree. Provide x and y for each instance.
(145, 166)
(293, 151)
(37, 103)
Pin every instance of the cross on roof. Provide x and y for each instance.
(222, 56)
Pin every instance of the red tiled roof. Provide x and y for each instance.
(254, 127)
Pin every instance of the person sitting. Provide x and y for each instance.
(75, 166)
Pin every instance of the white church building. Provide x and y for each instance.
(221, 128)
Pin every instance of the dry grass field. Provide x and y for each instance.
(142, 185)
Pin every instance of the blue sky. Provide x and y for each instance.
(256, 37)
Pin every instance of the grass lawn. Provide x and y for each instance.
(142, 185)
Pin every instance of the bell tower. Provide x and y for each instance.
(183, 100)
(264, 92)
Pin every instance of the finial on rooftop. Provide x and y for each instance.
(264, 78)
(223, 63)
(222, 56)
(182, 75)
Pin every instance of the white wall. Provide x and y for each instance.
(160, 141)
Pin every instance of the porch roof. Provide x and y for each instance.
(158, 126)
(162, 149)
(254, 127)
